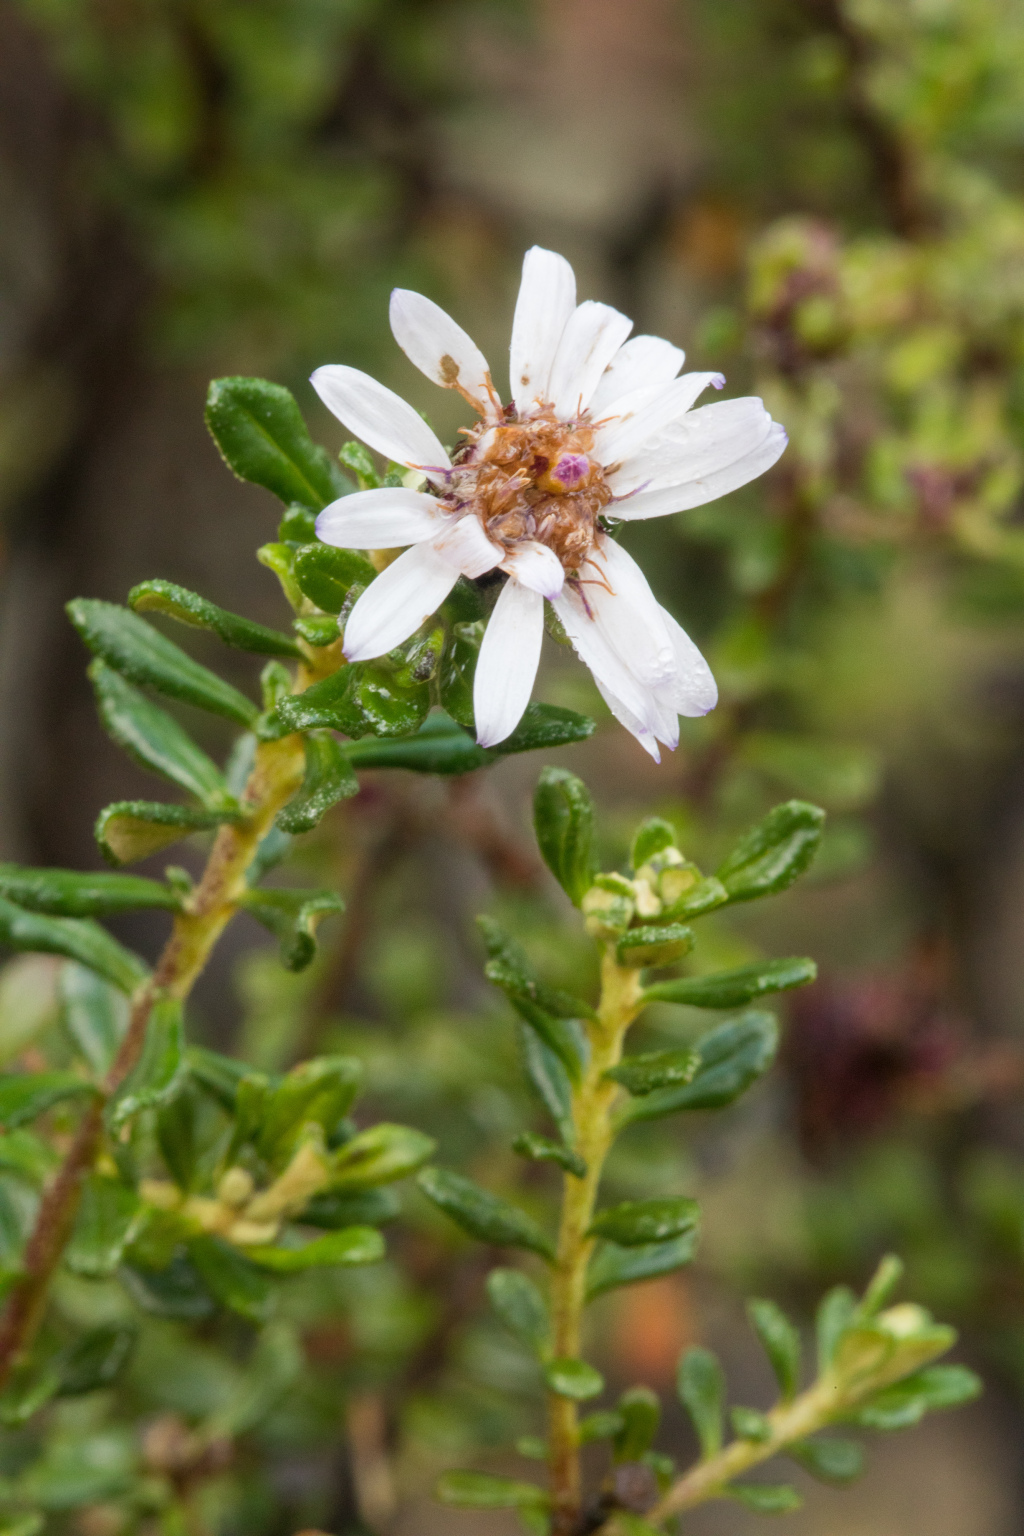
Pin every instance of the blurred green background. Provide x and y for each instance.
(824, 198)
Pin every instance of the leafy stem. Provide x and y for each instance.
(276, 775)
(785, 1425)
(592, 1103)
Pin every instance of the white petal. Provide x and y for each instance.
(627, 613)
(593, 649)
(381, 418)
(698, 443)
(643, 361)
(381, 519)
(547, 297)
(707, 487)
(693, 690)
(440, 348)
(401, 598)
(592, 336)
(465, 545)
(637, 417)
(536, 567)
(626, 717)
(507, 664)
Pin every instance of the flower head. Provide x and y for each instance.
(599, 428)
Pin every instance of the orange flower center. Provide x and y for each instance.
(532, 480)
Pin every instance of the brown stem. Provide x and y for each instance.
(276, 775)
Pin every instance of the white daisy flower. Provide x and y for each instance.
(599, 428)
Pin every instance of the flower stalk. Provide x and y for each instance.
(592, 1104)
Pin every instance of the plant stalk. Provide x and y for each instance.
(276, 775)
(592, 1103)
(786, 1424)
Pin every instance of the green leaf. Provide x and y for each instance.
(651, 837)
(774, 853)
(703, 896)
(515, 974)
(262, 438)
(380, 1155)
(546, 1010)
(836, 1312)
(95, 1015)
(176, 1134)
(655, 1069)
(549, 1077)
(329, 778)
(540, 1149)
(160, 1069)
(156, 741)
(750, 1424)
(765, 1498)
(83, 1469)
(198, 612)
(176, 1291)
(563, 818)
(109, 1215)
(359, 459)
(28, 1388)
(652, 945)
(883, 1282)
(573, 1378)
(352, 1245)
(441, 746)
(830, 1461)
(544, 726)
(326, 575)
(130, 830)
(701, 1387)
(640, 1409)
(478, 1490)
(234, 1280)
(521, 1307)
(320, 1091)
(458, 669)
(613, 1265)
(95, 1360)
(780, 1340)
(732, 1057)
(731, 989)
(375, 698)
(28, 1156)
(75, 939)
(218, 1075)
(636, 1223)
(317, 629)
(13, 1218)
(906, 1402)
(293, 917)
(605, 1424)
(481, 1214)
(275, 1364)
(144, 656)
(297, 525)
(69, 893)
(24, 1096)
(335, 1208)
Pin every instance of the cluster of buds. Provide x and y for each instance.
(238, 1211)
(664, 889)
